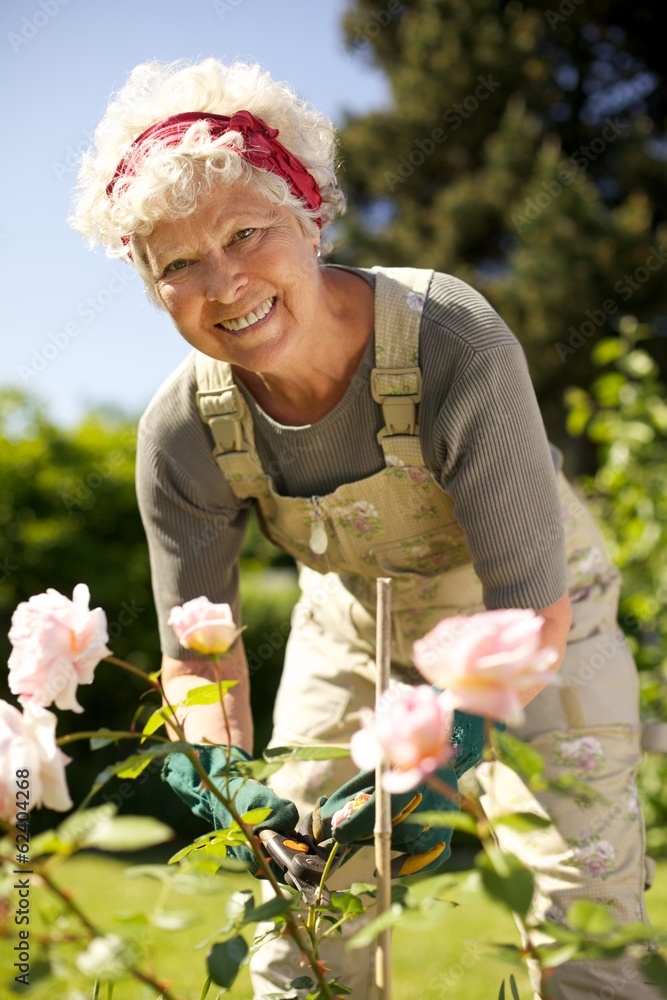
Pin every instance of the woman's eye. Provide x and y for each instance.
(176, 265)
(243, 234)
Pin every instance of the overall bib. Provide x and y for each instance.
(400, 523)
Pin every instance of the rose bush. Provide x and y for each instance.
(482, 662)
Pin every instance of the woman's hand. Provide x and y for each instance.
(206, 722)
(556, 628)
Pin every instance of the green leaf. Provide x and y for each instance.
(209, 842)
(99, 742)
(207, 694)
(128, 833)
(254, 816)
(452, 820)
(301, 983)
(501, 994)
(509, 953)
(305, 753)
(346, 903)
(582, 793)
(361, 888)
(607, 350)
(552, 957)
(515, 992)
(655, 968)
(225, 959)
(589, 917)
(517, 755)
(368, 933)
(336, 986)
(138, 918)
(506, 879)
(638, 364)
(524, 822)
(47, 842)
(138, 760)
(258, 770)
(157, 719)
(74, 831)
(629, 933)
(135, 766)
(267, 911)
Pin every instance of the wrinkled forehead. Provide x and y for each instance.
(220, 211)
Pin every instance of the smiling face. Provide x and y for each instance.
(239, 278)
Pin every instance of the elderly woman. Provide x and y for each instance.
(381, 423)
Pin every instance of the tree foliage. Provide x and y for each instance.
(524, 151)
(69, 515)
(624, 416)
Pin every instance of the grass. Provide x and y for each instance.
(444, 952)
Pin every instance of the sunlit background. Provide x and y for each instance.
(77, 330)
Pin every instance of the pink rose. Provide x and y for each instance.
(27, 743)
(204, 627)
(57, 645)
(410, 730)
(483, 660)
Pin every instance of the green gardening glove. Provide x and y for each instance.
(179, 772)
(468, 740)
(424, 848)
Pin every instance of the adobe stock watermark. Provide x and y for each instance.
(222, 7)
(579, 162)
(378, 20)
(72, 155)
(445, 982)
(625, 288)
(454, 117)
(87, 310)
(31, 26)
(7, 568)
(565, 9)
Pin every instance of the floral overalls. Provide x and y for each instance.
(400, 523)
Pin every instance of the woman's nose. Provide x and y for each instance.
(225, 279)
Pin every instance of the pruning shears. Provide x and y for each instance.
(303, 862)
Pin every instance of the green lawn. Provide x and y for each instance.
(447, 952)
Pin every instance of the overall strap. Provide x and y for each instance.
(396, 380)
(224, 409)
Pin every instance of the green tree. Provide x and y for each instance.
(523, 150)
(624, 416)
(68, 515)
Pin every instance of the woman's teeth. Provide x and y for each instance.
(250, 318)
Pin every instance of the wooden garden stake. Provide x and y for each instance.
(382, 829)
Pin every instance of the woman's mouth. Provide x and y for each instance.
(251, 318)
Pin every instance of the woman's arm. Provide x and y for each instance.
(557, 622)
(206, 722)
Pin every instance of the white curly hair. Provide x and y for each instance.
(172, 177)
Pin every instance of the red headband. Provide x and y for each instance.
(261, 149)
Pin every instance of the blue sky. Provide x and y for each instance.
(77, 328)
